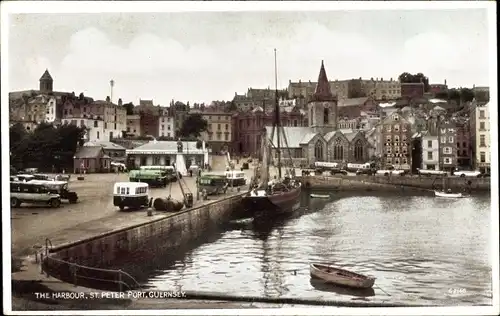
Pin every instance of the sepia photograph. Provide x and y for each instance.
(250, 157)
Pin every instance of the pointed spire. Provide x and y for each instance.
(323, 92)
(46, 76)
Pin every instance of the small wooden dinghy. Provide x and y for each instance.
(320, 196)
(339, 276)
(448, 195)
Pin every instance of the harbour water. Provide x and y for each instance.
(423, 250)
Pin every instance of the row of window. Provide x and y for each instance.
(396, 161)
(219, 136)
(389, 138)
(218, 127)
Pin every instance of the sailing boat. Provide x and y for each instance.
(280, 195)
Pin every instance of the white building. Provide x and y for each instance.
(95, 128)
(430, 151)
(482, 137)
(50, 116)
(166, 126)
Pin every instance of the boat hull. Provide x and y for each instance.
(341, 277)
(448, 195)
(280, 203)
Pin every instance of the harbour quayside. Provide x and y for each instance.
(270, 197)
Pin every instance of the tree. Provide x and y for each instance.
(407, 77)
(129, 107)
(466, 95)
(46, 146)
(193, 125)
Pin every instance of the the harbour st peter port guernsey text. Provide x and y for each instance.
(110, 295)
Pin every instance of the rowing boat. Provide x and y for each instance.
(339, 276)
(320, 196)
(448, 195)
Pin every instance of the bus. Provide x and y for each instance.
(213, 183)
(152, 177)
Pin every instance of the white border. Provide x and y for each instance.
(179, 6)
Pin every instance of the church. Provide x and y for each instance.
(321, 140)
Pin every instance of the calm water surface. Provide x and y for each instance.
(423, 250)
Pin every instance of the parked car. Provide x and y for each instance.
(467, 173)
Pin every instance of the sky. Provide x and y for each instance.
(205, 56)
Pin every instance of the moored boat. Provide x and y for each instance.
(319, 196)
(281, 194)
(338, 276)
(448, 194)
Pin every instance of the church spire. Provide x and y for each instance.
(323, 92)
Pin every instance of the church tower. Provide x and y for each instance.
(46, 82)
(322, 108)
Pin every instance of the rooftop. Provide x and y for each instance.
(167, 147)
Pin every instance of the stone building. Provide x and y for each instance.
(134, 125)
(248, 125)
(321, 141)
(219, 133)
(109, 119)
(480, 129)
(394, 133)
(464, 143)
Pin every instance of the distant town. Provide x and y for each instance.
(405, 122)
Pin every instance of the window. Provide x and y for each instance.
(429, 144)
(218, 127)
(443, 140)
(458, 145)
(358, 151)
(318, 151)
(97, 134)
(162, 126)
(388, 127)
(396, 139)
(326, 116)
(405, 161)
(169, 127)
(82, 123)
(481, 114)
(464, 145)
(482, 156)
(396, 161)
(227, 127)
(429, 155)
(388, 149)
(388, 138)
(389, 160)
(226, 137)
(396, 128)
(447, 161)
(447, 150)
(338, 150)
(482, 140)
(395, 117)
(481, 126)
(451, 139)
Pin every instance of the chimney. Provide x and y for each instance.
(120, 102)
(300, 81)
(381, 79)
(108, 99)
(391, 79)
(289, 80)
(235, 94)
(445, 82)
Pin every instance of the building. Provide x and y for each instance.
(248, 125)
(352, 108)
(166, 125)
(321, 140)
(395, 133)
(31, 107)
(105, 119)
(436, 88)
(134, 125)
(165, 153)
(378, 89)
(430, 151)
(464, 143)
(179, 111)
(346, 123)
(412, 90)
(91, 159)
(219, 133)
(447, 145)
(481, 137)
(112, 150)
(148, 118)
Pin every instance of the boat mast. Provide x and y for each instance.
(277, 114)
